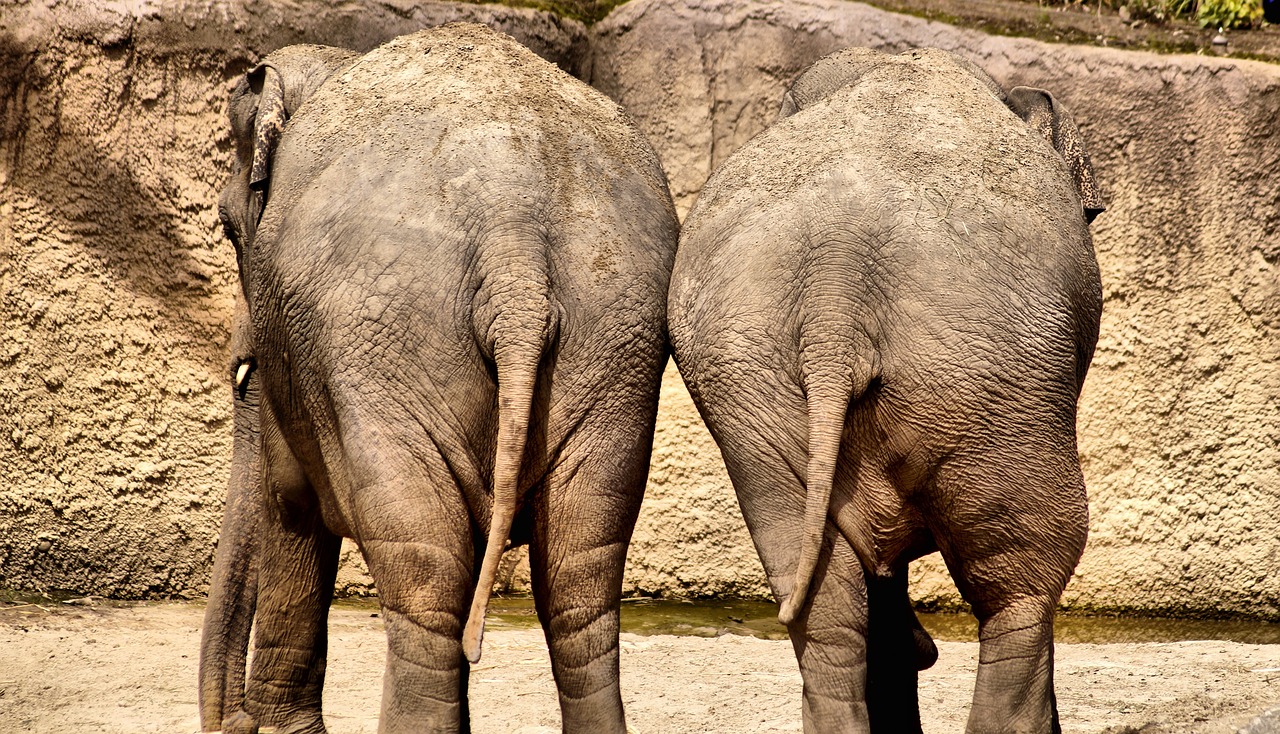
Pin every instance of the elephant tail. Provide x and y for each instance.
(517, 380)
(828, 405)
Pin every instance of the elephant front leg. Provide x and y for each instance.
(897, 648)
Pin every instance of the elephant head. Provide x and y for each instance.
(847, 66)
(262, 102)
(1036, 107)
(828, 74)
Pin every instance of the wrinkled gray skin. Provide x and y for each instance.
(454, 337)
(884, 307)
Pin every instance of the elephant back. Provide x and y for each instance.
(899, 206)
(465, 98)
(916, 136)
(459, 146)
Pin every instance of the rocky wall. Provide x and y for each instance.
(116, 287)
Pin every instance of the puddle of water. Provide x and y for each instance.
(759, 619)
(709, 618)
(1102, 630)
(665, 617)
(1074, 629)
(703, 618)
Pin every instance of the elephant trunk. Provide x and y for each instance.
(517, 380)
(233, 588)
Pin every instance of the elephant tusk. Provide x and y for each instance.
(242, 372)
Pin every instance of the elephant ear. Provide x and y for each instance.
(1052, 120)
(268, 123)
(281, 83)
(257, 114)
(261, 104)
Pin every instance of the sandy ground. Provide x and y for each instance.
(81, 669)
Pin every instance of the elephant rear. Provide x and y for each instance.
(911, 230)
(884, 307)
(457, 296)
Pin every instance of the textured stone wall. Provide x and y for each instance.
(116, 287)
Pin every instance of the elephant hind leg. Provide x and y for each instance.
(1014, 691)
(583, 518)
(765, 452)
(415, 532)
(830, 635)
(832, 642)
(1015, 530)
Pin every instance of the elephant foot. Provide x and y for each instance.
(242, 723)
(313, 726)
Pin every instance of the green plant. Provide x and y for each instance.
(1158, 10)
(1209, 13)
(1229, 13)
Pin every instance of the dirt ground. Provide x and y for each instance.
(88, 669)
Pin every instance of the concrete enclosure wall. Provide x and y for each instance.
(117, 287)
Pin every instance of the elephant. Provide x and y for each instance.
(884, 307)
(454, 262)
